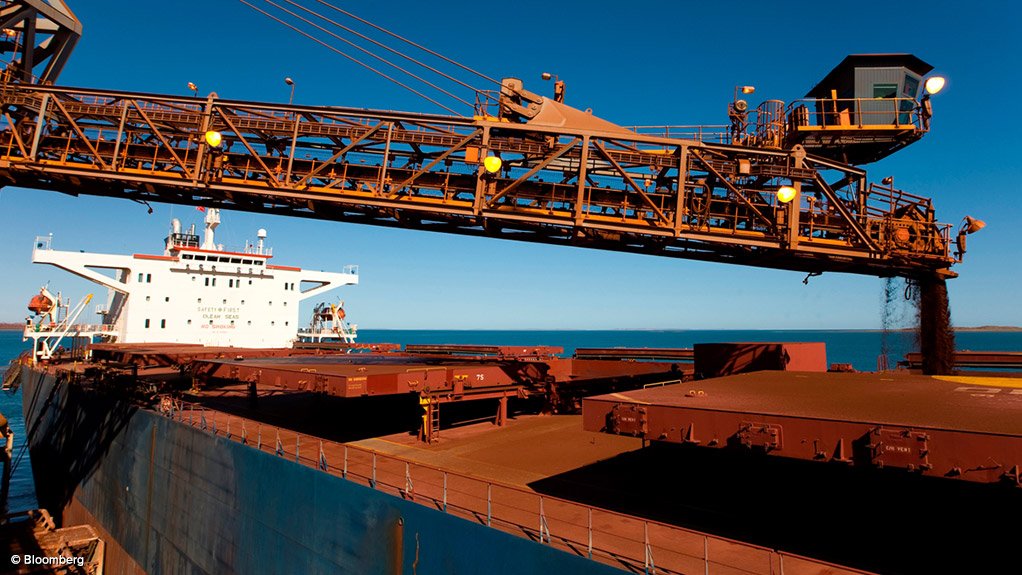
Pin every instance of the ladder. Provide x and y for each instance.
(12, 376)
(434, 420)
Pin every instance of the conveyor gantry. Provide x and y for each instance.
(594, 185)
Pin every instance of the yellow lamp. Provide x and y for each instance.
(786, 193)
(492, 164)
(214, 138)
(934, 84)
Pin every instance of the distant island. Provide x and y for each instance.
(990, 328)
(8, 325)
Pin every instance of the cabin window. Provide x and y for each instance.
(273, 323)
(249, 282)
(885, 90)
(249, 322)
(225, 302)
(200, 300)
(232, 322)
(242, 302)
(139, 278)
(287, 323)
(149, 278)
(147, 298)
(189, 322)
(911, 87)
(230, 283)
(207, 281)
(147, 324)
(167, 299)
(214, 281)
(163, 323)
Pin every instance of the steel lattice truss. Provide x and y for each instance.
(590, 188)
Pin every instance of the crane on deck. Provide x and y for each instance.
(781, 187)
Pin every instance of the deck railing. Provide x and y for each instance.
(623, 541)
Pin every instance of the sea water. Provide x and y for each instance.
(859, 348)
(22, 493)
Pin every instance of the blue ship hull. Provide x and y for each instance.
(171, 498)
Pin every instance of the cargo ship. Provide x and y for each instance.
(332, 456)
(189, 443)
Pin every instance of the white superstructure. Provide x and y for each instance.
(198, 293)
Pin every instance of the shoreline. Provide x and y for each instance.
(979, 329)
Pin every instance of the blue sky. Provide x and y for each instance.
(633, 63)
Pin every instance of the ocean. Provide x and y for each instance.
(859, 348)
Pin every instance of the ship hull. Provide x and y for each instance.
(171, 498)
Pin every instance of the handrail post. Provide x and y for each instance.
(544, 527)
(373, 481)
(489, 503)
(344, 470)
(706, 555)
(445, 492)
(590, 548)
(298, 447)
(408, 480)
(259, 437)
(650, 568)
(322, 457)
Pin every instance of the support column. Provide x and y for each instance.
(502, 411)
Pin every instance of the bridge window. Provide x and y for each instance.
(247, 262)
(885, 90)
(235, 260)
(187, 256)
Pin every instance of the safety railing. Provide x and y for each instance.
(635, 544)
(713, 134)
(854, 112)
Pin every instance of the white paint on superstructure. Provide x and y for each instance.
(199, 294)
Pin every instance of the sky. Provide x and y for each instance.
(633, 63)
